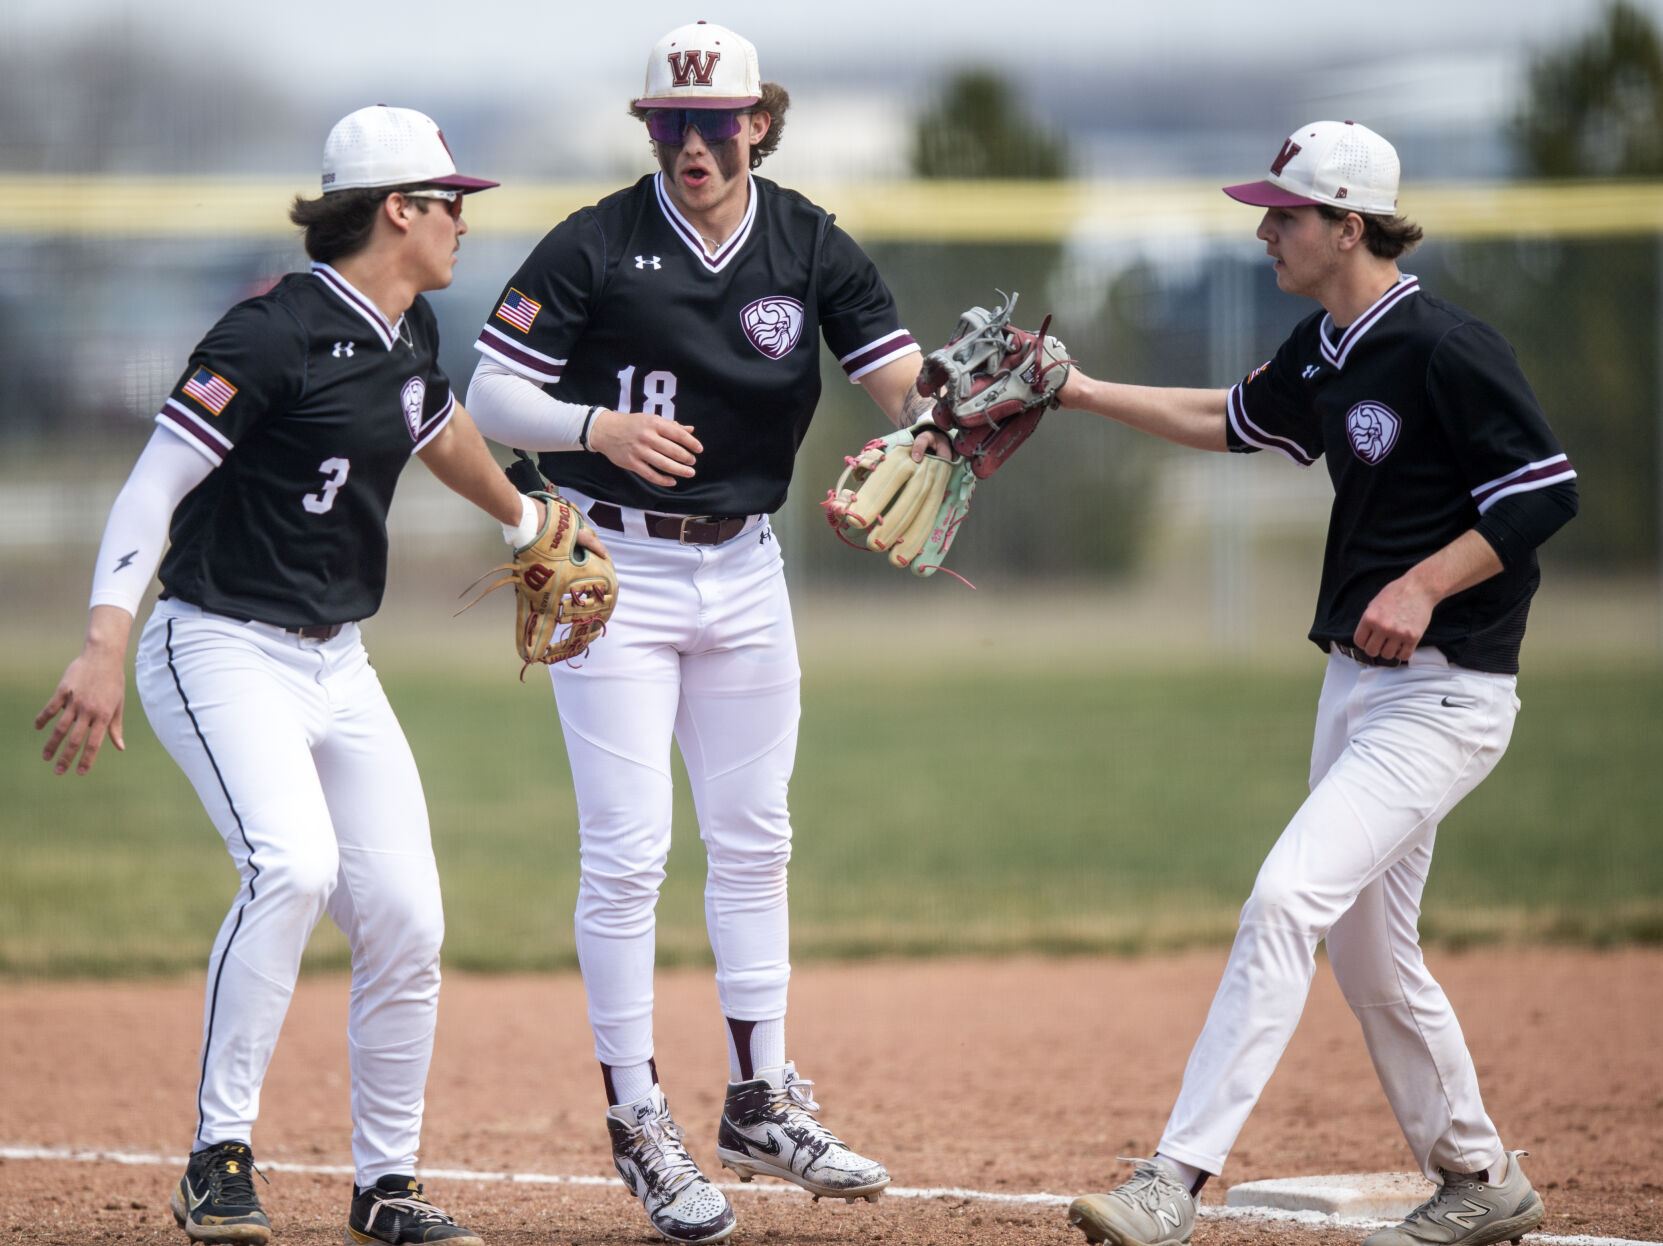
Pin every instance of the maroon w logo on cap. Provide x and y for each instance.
(1290, 149)
(693, 68)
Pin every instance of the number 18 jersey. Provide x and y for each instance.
(622, 306)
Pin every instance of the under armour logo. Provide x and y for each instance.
(642, 261)
(1311, 369)
(125, 560)
(343, 348)
(766, 533)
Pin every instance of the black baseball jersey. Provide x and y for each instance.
(620, 306)
(1427, 422)
(309, 404)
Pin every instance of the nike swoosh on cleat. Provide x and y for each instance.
(768, 1144)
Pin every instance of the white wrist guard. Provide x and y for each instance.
(524, 532)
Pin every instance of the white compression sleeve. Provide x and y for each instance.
(514, 411)
(167, 470)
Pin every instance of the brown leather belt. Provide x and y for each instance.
(1357, 655)
(323, 631)
(683, 529)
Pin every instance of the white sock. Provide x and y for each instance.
(632, 1081)
(1186, 1173)
(768, 1045)
(766, 1048)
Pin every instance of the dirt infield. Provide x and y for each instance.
(1001, 1077)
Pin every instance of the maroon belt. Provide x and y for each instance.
(1357, 655)
(683, 529)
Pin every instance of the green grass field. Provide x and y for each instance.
(1081, 811)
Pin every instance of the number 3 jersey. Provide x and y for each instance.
(621, 306)
(309, 404)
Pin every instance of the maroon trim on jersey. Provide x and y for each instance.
(210, 441)
(717, 262)
(531, 364)
(891, 346)
(1253, 435)
(1538, 475)
(360, 303)
(435, 425)
(1336, 353)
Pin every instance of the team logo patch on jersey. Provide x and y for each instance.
(1373, 428)
(413, 397)
(518, 310)
(211, 389)
(773, 324)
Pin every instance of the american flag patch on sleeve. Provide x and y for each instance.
(211, 389)
(518, 310)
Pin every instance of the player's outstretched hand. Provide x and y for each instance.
(87, 704)
(654, 448)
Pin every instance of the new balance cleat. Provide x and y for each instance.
(768, 1127)
(394, 1212)
(1154, 1208)
(1468, 1212)
(648, 1153)
(215, 1201)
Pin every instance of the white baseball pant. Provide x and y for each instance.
(304, 770)
(700, 647)
(1395, 749)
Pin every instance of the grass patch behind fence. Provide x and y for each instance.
(1055, 811)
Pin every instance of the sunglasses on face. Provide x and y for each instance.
(668, 125)
(452, 199)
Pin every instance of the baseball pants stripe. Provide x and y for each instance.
(1395, 749)
(216, 963)
(302, 767)
(700, 649)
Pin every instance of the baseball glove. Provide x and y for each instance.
(911, 511)
(992, 382)
(557, 584)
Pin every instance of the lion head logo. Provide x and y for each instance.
(413, 397)
(773, 324)
(1373, 428)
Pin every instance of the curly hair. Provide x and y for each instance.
(1386, 237)
(775, 100)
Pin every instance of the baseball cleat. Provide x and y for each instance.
(393, 1212)
(215, 1201)
(1152, 1209)
(648, 1153)
(1468, 1212)
(768, 1128)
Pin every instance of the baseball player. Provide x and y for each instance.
(659, 349)
(1446, 478)
(271, 471)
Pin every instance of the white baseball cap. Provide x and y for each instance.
(702, 65)
(1340, 163)
(382, 146)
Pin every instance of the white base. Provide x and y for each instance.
(1356, 1196)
